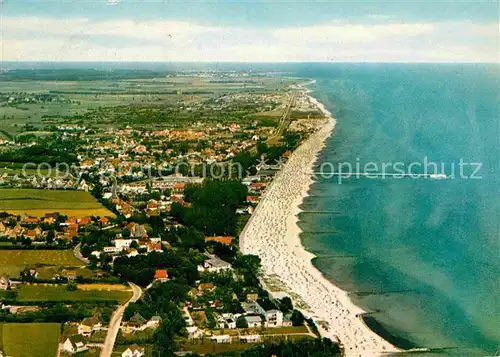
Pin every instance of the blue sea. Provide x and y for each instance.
(421, 256)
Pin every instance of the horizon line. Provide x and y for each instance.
(249, 62)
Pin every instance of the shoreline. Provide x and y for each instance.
(273, 234)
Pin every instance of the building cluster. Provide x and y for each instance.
(51, 226)
(79, 342)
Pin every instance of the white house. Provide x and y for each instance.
(230, 320)
(124, 243)
(194, 332)
(253, 321)
(154, 322)
(250, 338)
(216, 265)
(112, 250)
(4, 283)
(96, 253)
(88, 326)
(133, 351)
(274, 318)
(221, 338)
(83, 186)
(73, 345)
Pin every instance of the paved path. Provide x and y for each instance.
(78, 254)
(116, 319)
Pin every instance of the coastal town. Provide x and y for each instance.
(124, 239)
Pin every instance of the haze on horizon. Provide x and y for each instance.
(258, 31)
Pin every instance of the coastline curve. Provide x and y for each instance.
(272, 233)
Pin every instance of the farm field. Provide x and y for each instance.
(84, 95)
(103, 287)
(13, 261)
(206, 346)
(53, 293)
(30, 339)
(36, 203)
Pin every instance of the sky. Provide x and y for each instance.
(249, 31)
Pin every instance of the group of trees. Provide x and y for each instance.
(163, 300)
(49, 151)
(213, 206)
(56, 313)
(140, 269)
(186, 238)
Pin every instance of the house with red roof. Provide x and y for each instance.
(31, 220)
(252, 199)
(222, 240)
(161, 275)
(154, 247)
(84, 221)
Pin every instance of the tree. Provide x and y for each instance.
(97, 190)
(172, 323)
(134, 245)
(213, 206)
(26, 241)
(85, 250)
(297, 318)
(93, 261)
(241, 322)
(50, 237)
(248, 264)
(71, 287)
(286, 304)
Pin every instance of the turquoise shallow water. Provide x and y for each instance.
(420, 254)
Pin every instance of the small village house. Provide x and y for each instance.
(161, 275)
(5, 282)
(154, 322)
(89, 326)
(253, 321)
(216, 265)
(73, 345)
(137, 321)
(221, 338)
(250, 338)
(134, 351)
(274, 318)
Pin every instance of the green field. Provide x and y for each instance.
(33, 202)
(54, 293)
(13, 261)
(85, 96)
(30, 339)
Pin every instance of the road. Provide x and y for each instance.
(78, 254)
(283, 120)
(116, 319)
(282, 124)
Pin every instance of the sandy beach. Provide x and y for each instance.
(272, 233)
